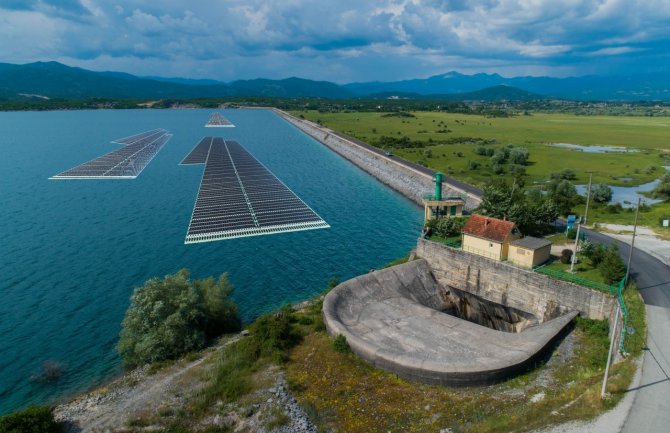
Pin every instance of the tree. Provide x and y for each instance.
(601, 193)
(220, 311)
(532, 213)
(612, 267)
(662, 190)
(563, 194)
(169, 317)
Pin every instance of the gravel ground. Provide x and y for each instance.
(158, 397)
(609, 422)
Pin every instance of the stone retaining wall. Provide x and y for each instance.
(407, 181)
(508, 285)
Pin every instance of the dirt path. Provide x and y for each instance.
(134, 395)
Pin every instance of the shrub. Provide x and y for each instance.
(447, 227)
(31, 420)
(473, 165)
(571, 233)
(566, 256)
(498, 168)
(169, 317)
(517, 170)
(271, 335)
(340, 344)
(519, 156)
(597, 255)
(566, 174)
(612, 267)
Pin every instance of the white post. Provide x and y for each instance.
(574, 255)
(632, 242)
(588, 198)
(609, 354)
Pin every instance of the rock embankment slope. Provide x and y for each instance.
(409, 179)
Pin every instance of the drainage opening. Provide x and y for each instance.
(483, 312)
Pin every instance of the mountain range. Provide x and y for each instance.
(55, 80)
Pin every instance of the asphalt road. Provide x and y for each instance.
(651, 408)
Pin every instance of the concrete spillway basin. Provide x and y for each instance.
(394, 319)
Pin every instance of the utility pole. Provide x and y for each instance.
(574, 255)
(632, 243)
(588, 198)
(609, 354)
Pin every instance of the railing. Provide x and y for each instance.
(565, 276)
(483, 253)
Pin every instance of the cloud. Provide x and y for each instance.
(344, 40)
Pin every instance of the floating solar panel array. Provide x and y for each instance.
(125, 163)
(239, 197)
(218, 121)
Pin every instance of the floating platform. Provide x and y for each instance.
(125, 163)
(218, 121)
(240, 197)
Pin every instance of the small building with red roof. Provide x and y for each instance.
(489, 237)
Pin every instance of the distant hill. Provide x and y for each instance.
(494, 93)
(637, 87)
(55, 80)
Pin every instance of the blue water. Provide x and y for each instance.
(594, 149)
(72, 251)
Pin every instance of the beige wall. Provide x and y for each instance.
(482, 247)
(529, 258)
(510, 285)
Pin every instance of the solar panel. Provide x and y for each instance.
(240, 197)
(199, 153)
(125, 163)
(218, 121)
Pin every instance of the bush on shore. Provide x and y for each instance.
(174, 315)
(31, 420)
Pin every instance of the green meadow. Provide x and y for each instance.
(447, 142)
(651, 135)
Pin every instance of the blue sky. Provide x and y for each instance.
(341, 41)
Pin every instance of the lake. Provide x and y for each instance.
(73, 250)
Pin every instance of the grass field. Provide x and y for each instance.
(650, 135)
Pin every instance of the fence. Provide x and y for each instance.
(624, 312)
(488, 254)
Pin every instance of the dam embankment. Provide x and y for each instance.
(411, 180)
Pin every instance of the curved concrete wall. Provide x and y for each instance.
(392, 319)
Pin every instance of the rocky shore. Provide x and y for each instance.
(148, 400)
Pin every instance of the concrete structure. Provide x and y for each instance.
(394, 319)
(509, 285)
(446, 207)
(529, 252)
(489, 237)
(436, 207)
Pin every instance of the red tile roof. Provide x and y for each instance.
(488, 228)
